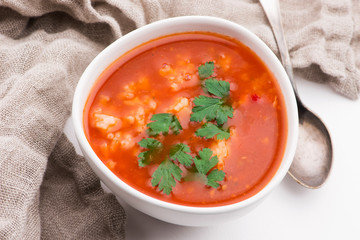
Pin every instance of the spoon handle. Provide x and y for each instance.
(272, 11)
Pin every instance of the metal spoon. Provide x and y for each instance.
(313, 157)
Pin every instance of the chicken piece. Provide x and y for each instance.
(135, 101)
(140, 119)
(182, 109)
(132, 89)
(115, 140)
(104, 121)
(181, 80)
(176, 82)
(103, 99)
(129, 92)
(178, 75)
(128, 95)
(127, 141)
(224, 62)
(221, 150)
(175, 86)
(149, 102)
(130, 120)
(121, 140)
(180, 104)
(166, 69)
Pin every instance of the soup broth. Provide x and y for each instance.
(162, 76)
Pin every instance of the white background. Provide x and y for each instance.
(290, 211)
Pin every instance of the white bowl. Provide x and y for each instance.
(169, 212)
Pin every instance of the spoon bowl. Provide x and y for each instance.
(313, 158)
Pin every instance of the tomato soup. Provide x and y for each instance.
(170, 78)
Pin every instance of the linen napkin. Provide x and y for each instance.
(46, 190)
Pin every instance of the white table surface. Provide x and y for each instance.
(290, 211)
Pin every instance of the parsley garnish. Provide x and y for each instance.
(209, 130)
(162, 123)
(145, 158)
(204, 163)
(164, 176)
(218, 88)
(180, 152)
(214, 177)
(211, 109)
(206, 70)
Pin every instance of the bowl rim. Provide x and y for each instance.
(290, 102)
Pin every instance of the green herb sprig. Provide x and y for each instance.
(209, 130)
(153, 146)
(162, 123)
(213, 108)
(204, 163)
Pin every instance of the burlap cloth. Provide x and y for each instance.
(46, 190)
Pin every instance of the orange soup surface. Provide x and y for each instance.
(162, 76)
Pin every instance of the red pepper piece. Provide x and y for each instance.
(255, 97)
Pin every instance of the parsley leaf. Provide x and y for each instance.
(206, 70)
(209, 130)
(217, 87)
(211, 109)
(145, 158)
(180, 152)
(165, 176)
(224, 112)
(204, 163)
(162, 123)
(214, 176)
